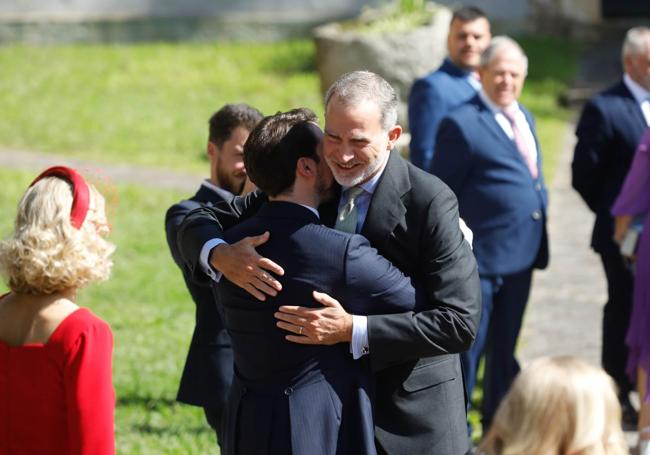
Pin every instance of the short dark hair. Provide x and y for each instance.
(275, 145)
(225, 120)
(468, 14)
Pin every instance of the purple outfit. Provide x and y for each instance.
(634, 199)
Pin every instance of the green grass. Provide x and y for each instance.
(152, 318)
(143, 104)
(149, 105)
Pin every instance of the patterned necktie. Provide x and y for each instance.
(346, 220)
(526, 153)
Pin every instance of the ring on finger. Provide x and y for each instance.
(300, 330)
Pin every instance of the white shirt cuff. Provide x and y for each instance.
(204, 259)
(359, 344)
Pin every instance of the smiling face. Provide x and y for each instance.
(355, 145)
(466, 42)
(503, 77)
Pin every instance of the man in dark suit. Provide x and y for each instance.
(488, 154)
(454, 83)
(411, 218)
(608, 133)
(208, 369)
(299, 398)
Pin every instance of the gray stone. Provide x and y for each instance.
(399, 57)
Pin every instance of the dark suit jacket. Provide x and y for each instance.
(413, 222)
(609, 130)
(297, 398)
(431, 98)
(499, 200)
(208, 369)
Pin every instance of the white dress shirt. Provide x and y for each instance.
(504, 123)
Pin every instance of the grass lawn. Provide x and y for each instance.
(149, 105)
(152, 318)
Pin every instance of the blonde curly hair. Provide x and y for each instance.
(558, 406)
(46, 254)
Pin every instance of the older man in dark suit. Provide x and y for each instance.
(208, 369)
(411, 217)
(488, 154)
(301, 398)
(608, 132)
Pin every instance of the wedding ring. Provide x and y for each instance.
(300, 331)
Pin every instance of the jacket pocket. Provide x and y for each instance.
(429, 375)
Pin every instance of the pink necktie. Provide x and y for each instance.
(521, 143)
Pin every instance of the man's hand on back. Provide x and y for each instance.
(241, 264)
(328, 325)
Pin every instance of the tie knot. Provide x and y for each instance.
(353, 192)
(510, 113)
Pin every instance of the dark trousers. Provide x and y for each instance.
(616, 318)
(215, 417)
(503, 303)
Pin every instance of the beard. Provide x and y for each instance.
(233, 182)
(362, 175)
(324, 187)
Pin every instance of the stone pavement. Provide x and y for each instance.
(565, 308)
(564, 313)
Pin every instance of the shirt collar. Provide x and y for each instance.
(312, 209)
(639, 93)
(217, 189)
(493, 107)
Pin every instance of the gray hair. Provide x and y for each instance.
(358, 86)
(636, 41)
(498, 44)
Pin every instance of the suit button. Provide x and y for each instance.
(288, 391)
(538, 186)
(537, 215)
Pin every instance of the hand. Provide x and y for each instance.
(241, 264)
(248, 186)
(621, 224)
(329, 325)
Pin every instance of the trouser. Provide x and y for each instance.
(215, 417)
(616, 318)
(503, 303)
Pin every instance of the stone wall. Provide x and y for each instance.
(44, 21)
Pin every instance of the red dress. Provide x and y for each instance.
(58, 397)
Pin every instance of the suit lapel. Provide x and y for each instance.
(386, 208)
(487, 117)
(633, 109)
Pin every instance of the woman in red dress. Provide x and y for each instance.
(56, 391)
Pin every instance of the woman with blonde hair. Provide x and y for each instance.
(56, 392)
(558, 406)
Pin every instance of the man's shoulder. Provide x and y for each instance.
(612, 94)
(423, 186)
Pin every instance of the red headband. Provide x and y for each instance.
(80, 191)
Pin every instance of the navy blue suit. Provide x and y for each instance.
(431, 98)
(292, 398)
(506, 209)
(413, 222)
(208, 371)
(609, 130)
